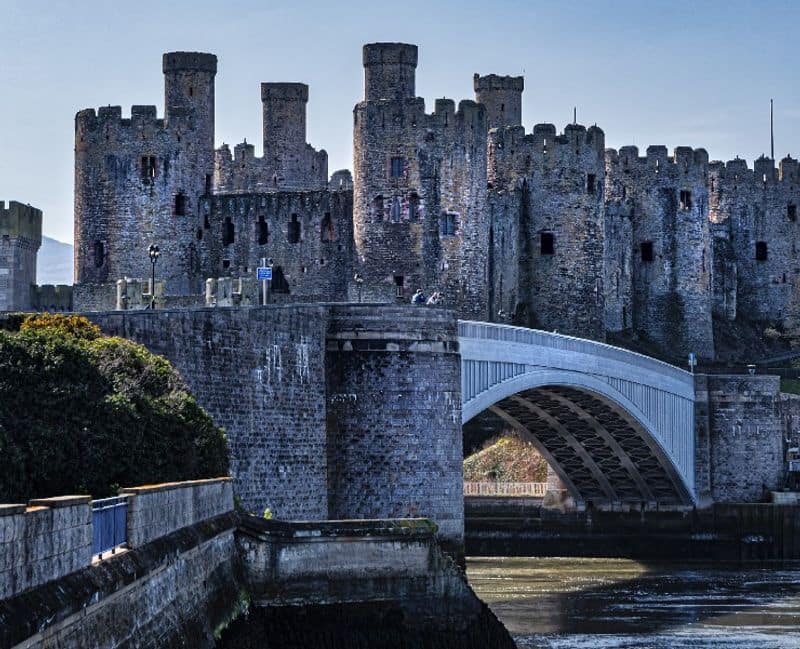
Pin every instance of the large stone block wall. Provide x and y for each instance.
(746, 429)
(369, 427)
(260, 373)
(394, 417)
(158, 510)
(46, 540)
(175, 591)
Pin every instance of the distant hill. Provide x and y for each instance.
(54, 263)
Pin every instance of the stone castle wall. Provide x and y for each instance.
(20, 239)
(543, 229)
(281, 381)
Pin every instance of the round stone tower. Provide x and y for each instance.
(189, 91)
(284, 108)
(389, 71)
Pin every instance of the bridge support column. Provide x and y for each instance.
(394, 417)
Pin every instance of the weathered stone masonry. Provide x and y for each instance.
(544, 229)
(366, 424)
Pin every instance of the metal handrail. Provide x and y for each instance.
(509, 333)
(109, 524)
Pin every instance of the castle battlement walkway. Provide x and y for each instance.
(615, 425)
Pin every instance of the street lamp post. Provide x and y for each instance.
(359, 283)
(154, 252)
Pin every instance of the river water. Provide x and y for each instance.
(608, 603)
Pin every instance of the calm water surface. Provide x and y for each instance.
(605, 603)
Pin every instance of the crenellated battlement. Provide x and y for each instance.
(513, 153)
(737, 173)
(110, 117)
(657, 161)
(21, 221)
(189, 62)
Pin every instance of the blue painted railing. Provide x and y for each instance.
(109, 524)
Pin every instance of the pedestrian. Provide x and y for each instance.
(419, 297)
(434, 299)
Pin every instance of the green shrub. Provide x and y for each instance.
(82, 413)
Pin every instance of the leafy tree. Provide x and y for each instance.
(85, 413)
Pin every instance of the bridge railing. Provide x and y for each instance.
(109, 524)
(532, 489)
(508, 333)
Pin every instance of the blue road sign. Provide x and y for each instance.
(264, 273)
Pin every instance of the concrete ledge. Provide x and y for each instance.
(12, 509)
(60, 501)
(405, 528)
(166, 486)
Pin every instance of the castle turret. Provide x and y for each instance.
(389, 71)
(502, 97)
(20, 239)
(284, 121)
(411, 229)
(189, 91)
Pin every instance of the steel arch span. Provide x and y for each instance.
(616, 426)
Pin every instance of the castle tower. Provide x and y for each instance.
(189, 92)
(284, 107)
(138, 181)
(502, 96)
(20, 239)
(419, 188)
(389, 71)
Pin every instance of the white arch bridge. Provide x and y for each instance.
(616, 426)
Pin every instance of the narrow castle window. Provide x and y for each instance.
(99, 254)
(646, 248)
(399, 283)
(591, 184)
(397, 167)
(148, 167)
(761, 251)
(228, 232)
(413, 206)
(294, 230)
(191, 91)
(547, 243)
(447, 224)
(208, 185)
(396, 210)
(377, 207)
(199, 234)
(686, 199)
(791, 211)
(180, 204)
(262, 230)
(327, 231)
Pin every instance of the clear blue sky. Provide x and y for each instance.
(647, 72)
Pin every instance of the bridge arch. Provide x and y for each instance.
(616, 426)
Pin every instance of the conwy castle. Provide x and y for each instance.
(542, 229)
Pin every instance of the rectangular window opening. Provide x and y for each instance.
(397, 167)
(181, 203)
(547, 243)
(591, 184)
(686, 199)
(791, 211)
(148, 167)
(761, 251)
(647, 251)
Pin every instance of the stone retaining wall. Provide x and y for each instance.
(45, 540)
(158, 510)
